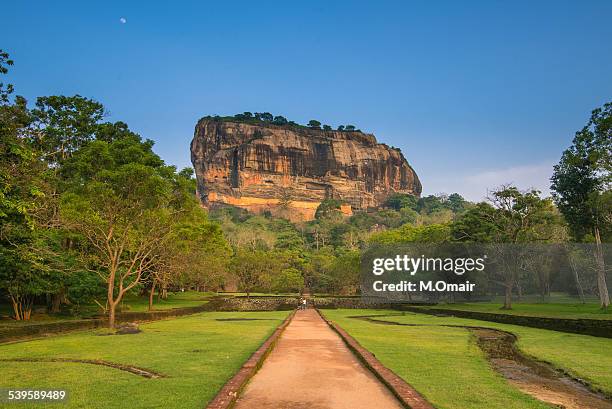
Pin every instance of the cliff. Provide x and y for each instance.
(268, 167)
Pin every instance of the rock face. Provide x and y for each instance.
(278, 168)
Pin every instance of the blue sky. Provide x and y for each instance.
(475, 93)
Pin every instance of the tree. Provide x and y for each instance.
(21, 194)
(350, 128)
(433, 233)
(66, 124)
(329, 209)
(5, 62)
(110, 132)
(249, 268)
(327, 128)
(314, 124)
(477, 225)
(344, 273)
(511, 217)
(581, 184)
(456, 203)
(120, 199)
(399, 201)
(202, 254)
(195, 253)
(288, 280)
(279, 120)
(22, 275)
(341, 128)
(267, 117)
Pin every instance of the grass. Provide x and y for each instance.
(197, 352)
(574, 310)
(131, 303)
(449, 369)
(174, 300)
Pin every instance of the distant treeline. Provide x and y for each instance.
(279, 120)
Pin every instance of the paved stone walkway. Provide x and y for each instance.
(311, 368)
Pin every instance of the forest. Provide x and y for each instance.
(90, 214)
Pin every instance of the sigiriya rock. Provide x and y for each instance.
(260, 166)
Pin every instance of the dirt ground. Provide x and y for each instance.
(311, 368)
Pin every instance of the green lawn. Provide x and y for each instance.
(449, 369)
(174, 300)
(197, 352)
(553, 309)
(131, 303)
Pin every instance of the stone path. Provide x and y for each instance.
(311, 368)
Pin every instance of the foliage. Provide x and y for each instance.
(125, 203)
(198, 256)
(5, 90)
(69, 123)
(581, 183)
(250, 267)
(582, 180)
(259, 118)
(435, 233)
(21, 191)
(399, 201)
(328, 209)
(313, 123)
(511, 217)
(288, 280)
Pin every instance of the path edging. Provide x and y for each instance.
(227, 396)
(406, 394)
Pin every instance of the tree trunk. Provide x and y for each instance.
(164, 291)
(56, 301)
(110, 299)
(151, 293)
(16, 308)
(22, 307)
(111, 315)
(602, 287)
(577, 278)
(508, 297)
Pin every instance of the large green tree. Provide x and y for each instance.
(198, 253)
(511, 217)
(22, 275)
(581, 187)
(120, 199)
(251, 268)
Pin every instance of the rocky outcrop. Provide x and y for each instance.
(267, 167)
